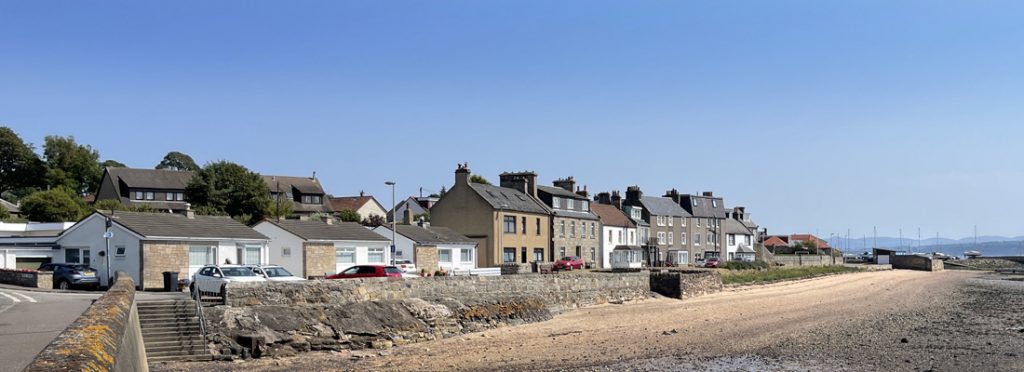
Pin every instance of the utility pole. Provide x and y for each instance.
(901, 238)
(875, 242)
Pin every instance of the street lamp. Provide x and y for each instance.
(394, 218)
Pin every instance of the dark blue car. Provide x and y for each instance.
(68, 276)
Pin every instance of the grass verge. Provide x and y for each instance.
(780, 274)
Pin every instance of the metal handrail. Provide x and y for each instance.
(197, 295)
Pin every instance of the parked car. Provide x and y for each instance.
(67, 276)
(368, 271)
(407, 266)
(274, 273)
(699, 262)
(712, 262)
(212, 277)
(569, 263)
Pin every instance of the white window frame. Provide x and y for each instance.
(139, 195)
(670, 237)
(150, 195)
(682, 237)
(556, 203)
(245, 249)
(370, 252)
(698, 222)
(340, 252)
(466, 255)
(120, 251)
(179, 196)
(440, 258)
(570, 204)
(286, 251)
(670, 220)
(211, 255)
(661, 237)
(168, 196)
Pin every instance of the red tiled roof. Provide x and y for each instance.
(350, 202)
(809, 237)
(774, 241)
(611, 216)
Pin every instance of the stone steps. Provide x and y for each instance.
(171, 331)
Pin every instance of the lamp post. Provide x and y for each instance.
(394, 219)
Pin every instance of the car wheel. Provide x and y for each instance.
(192, 288)
(64, 285)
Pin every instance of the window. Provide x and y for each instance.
(248, 254)
(732, 239)
(522, 255)
(72, 255)
(179, 196)
(593, 254)
(570, 204)
(168, 196)
(714, 203)
(538, 226)
(635, 213)
(311, 199)
(661, 237)
(510, 224)
(509, 255)
(610, 238)
(572, 229)
(661, 220)
(709, 239)
(585, 205)
(556, 203)
(286, 252)
(444, 255)
(149, 195)
(344, 255)
(632, 239)
(538, 254)
(682, 222)
(620, 237)
(593, 230)
(466, 255)
(201, 255)
(561, 252)
(670, 234)
(119, 251)
(139, 195)
(561, 229)
(698, 222)
(376, 255)
(696, 239)
(670, 220)
(682, 237)
(524, 225)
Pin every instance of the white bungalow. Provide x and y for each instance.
(454, 251)
(627, 257)
(315, 248)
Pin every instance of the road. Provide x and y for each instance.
(31, 320)
(889, 320)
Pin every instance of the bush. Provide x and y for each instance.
(779, 274)
(745, 265)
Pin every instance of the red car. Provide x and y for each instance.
(569, 263)
(368, 271)
(712, 262)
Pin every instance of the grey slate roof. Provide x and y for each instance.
(509, 199)
(10, 207)
(410, 203)
(150, 178)
(432, 235)
(179, 226)
(575, 214)
(304, 185)
(317, 230)
(732, 226)
(705, 206)
(657, 206)
(560, 192)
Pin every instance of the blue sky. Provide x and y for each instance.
(818, 116)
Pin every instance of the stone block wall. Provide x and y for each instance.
(426, 258)
(158, 257)
(806, 260)
(27, 278)
(914, 262)
(557, 292)
(685, 283)
(317, 259)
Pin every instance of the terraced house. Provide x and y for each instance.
(667, 221)
(706, 227)
(509, 224)
(575, 229)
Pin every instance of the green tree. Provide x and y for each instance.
(422, 216)
(4, 213)
(108, 205)
(69, 164)
(374, 220)
(112, 164)
(61, 204)
(178, 161)
(476, 178)
(348, 215)
(229, 188)
(280, 208)
(439, 194)
(20, 167)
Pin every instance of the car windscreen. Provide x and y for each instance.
(274, 272)
(237, 271)
(392, 270)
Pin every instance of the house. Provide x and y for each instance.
(775, 242)
(431, 247)
(616, 230)
(809, 239)
(365, 205)
(667, 222)
(508, 223)
(145, 245)
(305, 193)
(418, 206)
(28, 245)
(740, 214)
(318, 248)
(11, 208)
(162, 190)
(739, 239)
(707, 217)
(574, 228)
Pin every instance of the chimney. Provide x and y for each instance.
(407, 218)
(314, 175)
(633, 193)
(189, 213)
(603, 198)
(709, 194)
(361, 193)
(522, 181)
(583, 192)
(673, 194)
(567, 184)
(461, 175)
(616, 199)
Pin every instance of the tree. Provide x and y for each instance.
(4, 213)
(178, 161)
(476, 178)
(348, 215)
(228, 188)
(108, 205)
(439, 194)
(112, 164)
(374, 220)
(425, 217)
(69, 164)
(20, 167)
(279, 208)
(56, 205)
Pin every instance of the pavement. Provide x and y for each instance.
(31, 318)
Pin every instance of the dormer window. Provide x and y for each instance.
(311, 199)
(139, 195)
(714, 203)
(570, 204)
(556, 203)
(585, 205)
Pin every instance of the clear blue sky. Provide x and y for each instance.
(817, 115)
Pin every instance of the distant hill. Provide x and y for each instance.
(987, 245)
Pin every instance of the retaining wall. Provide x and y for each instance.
(107, 337)
(914, 262)
(683, 283)
(559, 292)
(806, 260)
(27, 278)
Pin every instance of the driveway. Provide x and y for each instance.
(30, 320)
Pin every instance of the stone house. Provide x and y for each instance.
(307, 196)
(667, 222)
(575, 229)
(365, 205)
(432, 247)
(318, 248)
(616, 230)
(508, 223)
(145, 245)
(706, 224)
(162, 190)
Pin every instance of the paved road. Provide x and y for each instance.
(31, 320)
